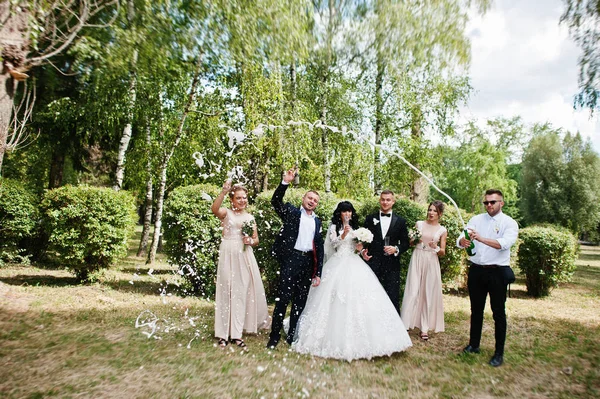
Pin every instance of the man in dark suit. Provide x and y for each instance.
(299, 250)
(390, 240)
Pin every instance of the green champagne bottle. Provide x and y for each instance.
(471, 248)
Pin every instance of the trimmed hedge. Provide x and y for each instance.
(88, 227)
(19, 221)
(546, 256)
(192, 235)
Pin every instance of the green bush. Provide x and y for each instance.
(546, 256)
(19, 221)
(88, 227)
(192, 235)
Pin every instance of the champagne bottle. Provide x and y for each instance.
(471, 248)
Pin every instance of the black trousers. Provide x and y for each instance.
(481, 282)
(390, 280)
(292, 288)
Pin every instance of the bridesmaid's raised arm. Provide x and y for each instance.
(216, 208)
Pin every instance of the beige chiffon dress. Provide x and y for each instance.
(422, 306)
(240, 303)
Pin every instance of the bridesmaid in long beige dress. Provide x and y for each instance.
(240, 303)
(422, 306)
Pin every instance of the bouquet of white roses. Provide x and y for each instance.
(363, 235)
(414, 235)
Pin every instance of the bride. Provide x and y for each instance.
(348, 316)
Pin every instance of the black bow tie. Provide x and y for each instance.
(386, 215)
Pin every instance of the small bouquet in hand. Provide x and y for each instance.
(248, 229)
(414, 235)
(363, 236)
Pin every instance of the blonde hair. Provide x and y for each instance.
(235, 188)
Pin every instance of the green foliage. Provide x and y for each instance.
(476, 165)
(88, 227)
(192, 235)
(583, 17)
(19, 220)
(546, 256)
(560, 181)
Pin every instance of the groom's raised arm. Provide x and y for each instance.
(277, 199)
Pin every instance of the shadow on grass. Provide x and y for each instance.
(40, 280)
(145, 270)
(589, 257)
(138, 287)
(587, 277)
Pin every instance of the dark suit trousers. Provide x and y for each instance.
(481, 282)
(293, 287)
(390, 280)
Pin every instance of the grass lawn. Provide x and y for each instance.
(59, 339)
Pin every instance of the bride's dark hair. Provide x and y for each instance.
(336, 219)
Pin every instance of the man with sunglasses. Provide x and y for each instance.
(493, 233)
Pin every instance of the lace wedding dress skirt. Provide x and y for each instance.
(349, 316)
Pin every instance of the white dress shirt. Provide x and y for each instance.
(306, 232)
(502, 228)
(385, 222)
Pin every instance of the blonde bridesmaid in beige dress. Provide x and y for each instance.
(422, 306)
(240, 303)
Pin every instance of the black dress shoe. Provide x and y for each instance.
(272, 344)
(496, 360)
(470, 349)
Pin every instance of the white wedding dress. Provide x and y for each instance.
(349, 315)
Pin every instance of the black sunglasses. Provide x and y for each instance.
(486, 203)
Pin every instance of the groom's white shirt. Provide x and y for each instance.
(385, 223)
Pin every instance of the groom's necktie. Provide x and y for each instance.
(386, 215)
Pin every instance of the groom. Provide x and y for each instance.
(299, 250)
(382, 256)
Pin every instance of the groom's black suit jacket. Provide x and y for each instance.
(286, 239)
(387, 268)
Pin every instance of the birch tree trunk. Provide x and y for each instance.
(148, 203)
(329, 41)
(419, 188)
(165, 163)
(126, 137)
(378, 123)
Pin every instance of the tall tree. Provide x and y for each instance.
(559, 184)
(33, 32)
(411, 43)
(583, 19)
(130, 101)
(475, 165)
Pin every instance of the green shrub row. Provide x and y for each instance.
(546, 256)
(86, 229)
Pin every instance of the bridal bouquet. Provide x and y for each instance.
(363, 236)
(414, 235)
(248, 229)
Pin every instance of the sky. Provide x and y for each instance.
(525, 64)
